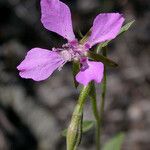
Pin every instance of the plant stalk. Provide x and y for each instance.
(74, 131)
(96, 115)
(102, 103)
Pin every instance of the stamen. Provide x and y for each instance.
(72, 51)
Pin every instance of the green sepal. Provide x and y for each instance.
(126, 27)
(86, 126)
(75, 70)
(80, 33)
(101, 58)
(115, 143)
(84, 39)
(122, 30)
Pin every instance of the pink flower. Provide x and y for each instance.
(40, 63)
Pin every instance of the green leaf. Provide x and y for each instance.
(123, 29)
(75, 70)
(64, 132)
(102, 59)
(86, 126)
(115, 143)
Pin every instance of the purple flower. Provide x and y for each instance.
(40, 63)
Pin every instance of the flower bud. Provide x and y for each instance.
(75, 129)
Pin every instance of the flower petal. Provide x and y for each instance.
(106, 26)
(56, 17)
(39, 64)
(92, 71)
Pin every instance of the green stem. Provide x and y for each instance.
(102, 103)
(74, 131)
(96, 115)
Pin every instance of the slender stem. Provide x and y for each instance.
(102, 103)
(96, 115)
(83, 95)
(97, 135)
(74, 131)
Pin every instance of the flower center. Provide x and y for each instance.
(72, 51)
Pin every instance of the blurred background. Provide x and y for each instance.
(33, 114)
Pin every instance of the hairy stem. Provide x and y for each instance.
(74, 131)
